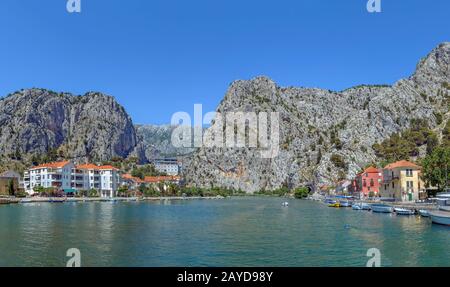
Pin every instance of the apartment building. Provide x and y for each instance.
(68, 177)
(167, 166)
(54, 174)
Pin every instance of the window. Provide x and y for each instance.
(393, 185)
(364, 183)
(409, 172)
(409, 185)
(371, 182)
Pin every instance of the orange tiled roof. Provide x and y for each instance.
(59, 164)
(402, 163)
(87, 166)
(371, 170)
(108, 167)
(154, 179)
(93, 166)
(130, 177)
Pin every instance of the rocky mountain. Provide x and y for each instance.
(89, 127)
(157, 143)
(324, 135)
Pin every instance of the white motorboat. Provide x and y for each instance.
(345, 203)
(356, 207)
(382, 208)
(404, 211)
(440, 217)
(444, 208)
(424, 213)
(285, 203)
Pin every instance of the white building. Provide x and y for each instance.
(167, 166)
(55, 174)
(67, 177)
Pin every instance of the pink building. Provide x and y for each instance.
(370, 180)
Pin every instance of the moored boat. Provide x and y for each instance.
(440, 217)
(404, 211)
(444, 208)
(336, 204)
(345, 203)
(424, 213)
(329, 201)
(382, 208)
(356, 207)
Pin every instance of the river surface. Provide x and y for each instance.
(246, 231)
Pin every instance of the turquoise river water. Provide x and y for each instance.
(247, 231)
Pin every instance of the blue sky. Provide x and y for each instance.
(158, 57)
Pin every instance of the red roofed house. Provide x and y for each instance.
(158, 179)
(368, 182)
(402, 181)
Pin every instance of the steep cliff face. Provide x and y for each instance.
(324, 135)
(93, 126)
(157, 141)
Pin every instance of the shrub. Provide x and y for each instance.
(338, 161)
(301, 192)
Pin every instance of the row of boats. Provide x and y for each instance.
(441, 216)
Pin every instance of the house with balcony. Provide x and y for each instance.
(49, 175)
(70, 178)
(402, 182)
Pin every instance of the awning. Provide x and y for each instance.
(70, 190)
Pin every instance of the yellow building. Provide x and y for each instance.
(401, 181)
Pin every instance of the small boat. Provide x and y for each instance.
(329, 201)
(424, 213)
(356, 207)
(366, 206)
(57, 200)
(382, 208)
(404, 211)
(337, 204)
(444, 208)
(285, 203)
(440, 217)
(345, 203)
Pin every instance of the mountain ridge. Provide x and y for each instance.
(325, 135)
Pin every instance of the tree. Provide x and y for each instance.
(93, 193)
(11, 189)
(123, 190)
(436, 168)
(38, 189)
(432, 143)
(301, 192)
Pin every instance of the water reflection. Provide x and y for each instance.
(230, 232)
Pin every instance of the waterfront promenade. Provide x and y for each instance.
(12, 200)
